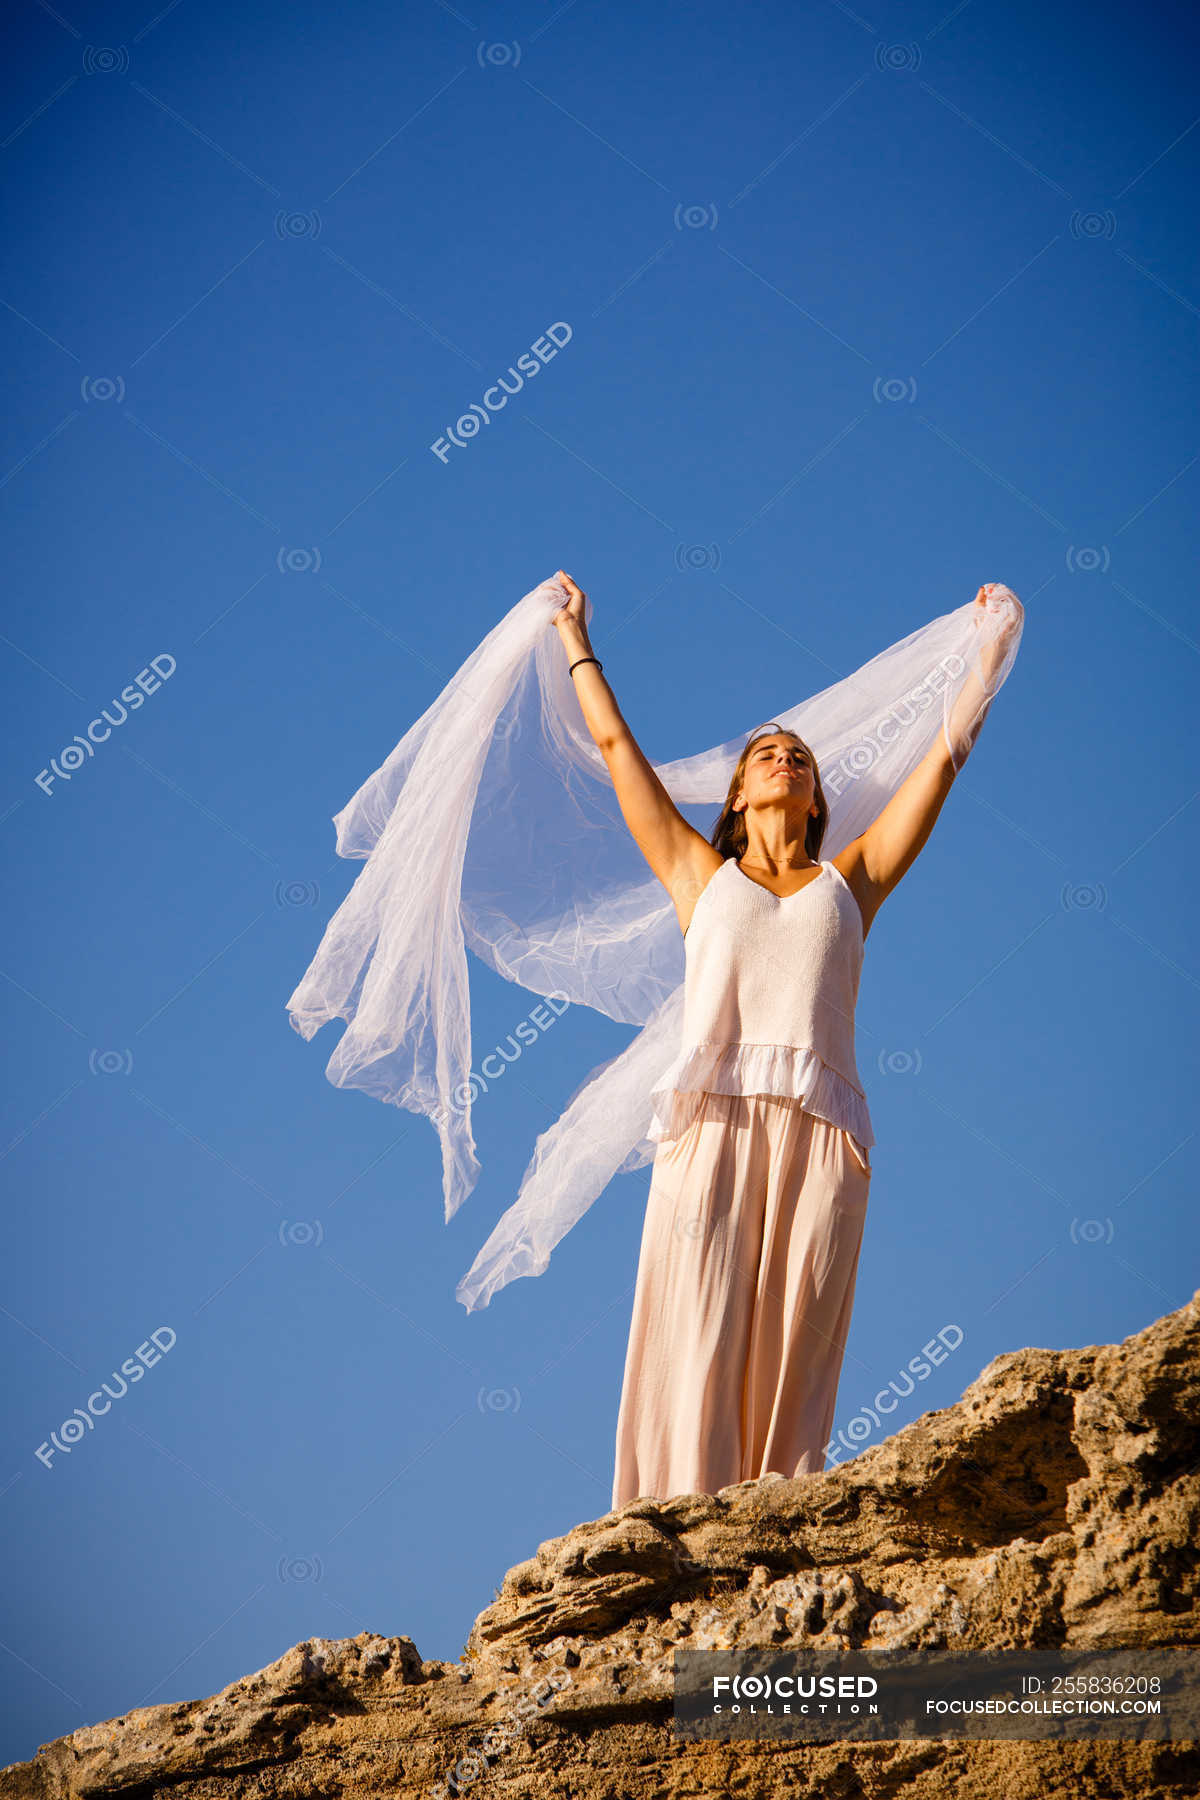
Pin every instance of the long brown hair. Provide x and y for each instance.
(729, 834)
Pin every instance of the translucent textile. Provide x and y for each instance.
(493, 824)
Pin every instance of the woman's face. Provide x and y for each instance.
(778, 769)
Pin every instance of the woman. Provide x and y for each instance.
(494, 826)
(758, 1197)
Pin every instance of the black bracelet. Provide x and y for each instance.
(584, 659)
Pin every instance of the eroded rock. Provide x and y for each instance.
(1056, 1505)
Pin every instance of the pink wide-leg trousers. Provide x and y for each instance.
(745, 1286)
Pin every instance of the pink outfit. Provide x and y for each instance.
(758, 1197)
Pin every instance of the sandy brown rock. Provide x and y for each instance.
(1057, 1505)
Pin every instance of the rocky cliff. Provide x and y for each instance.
(1056, 1505)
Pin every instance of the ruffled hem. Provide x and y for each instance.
(786, 1070)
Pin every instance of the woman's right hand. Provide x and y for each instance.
(573, 611)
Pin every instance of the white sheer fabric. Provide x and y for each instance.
(493, 824)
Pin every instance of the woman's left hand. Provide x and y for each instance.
(1005, 593)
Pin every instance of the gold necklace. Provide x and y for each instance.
(793, 866)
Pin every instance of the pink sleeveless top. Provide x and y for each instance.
(770, 991)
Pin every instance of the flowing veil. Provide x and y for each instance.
(493, 825)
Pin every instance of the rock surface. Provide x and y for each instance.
(1057, 1505)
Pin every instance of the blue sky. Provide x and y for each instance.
(864, 310)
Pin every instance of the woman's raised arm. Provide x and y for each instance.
(877, 859)
(680, 857)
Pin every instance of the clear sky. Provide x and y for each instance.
(864, 309)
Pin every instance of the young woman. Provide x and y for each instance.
(759, 1189)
